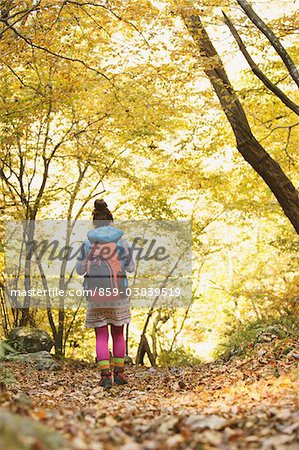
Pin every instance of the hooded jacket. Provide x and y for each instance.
(106, 234)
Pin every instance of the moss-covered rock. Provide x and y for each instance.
(40, 360)
(30, 340)
(22, 433)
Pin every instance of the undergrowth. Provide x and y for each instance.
(243, 338)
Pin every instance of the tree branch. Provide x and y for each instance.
(5, 16)
(89, 3)
(272, 38)
(21, 80)
(58, 55)
(257, 71)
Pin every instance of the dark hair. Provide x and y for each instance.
(101, 215)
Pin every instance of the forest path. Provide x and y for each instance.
(247, 403)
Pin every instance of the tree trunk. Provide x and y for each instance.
(5, 317)
(59, 348)
(249, 147)
(29, 237)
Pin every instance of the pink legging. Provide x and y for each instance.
(102, 337)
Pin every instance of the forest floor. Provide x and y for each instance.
(246, 403)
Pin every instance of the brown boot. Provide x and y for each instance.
(119, 376)
(106, 379)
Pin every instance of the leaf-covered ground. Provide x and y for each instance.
(249, 403)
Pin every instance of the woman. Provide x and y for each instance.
(105, 258)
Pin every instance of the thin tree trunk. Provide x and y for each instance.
(5, 318)
(249, 147)
(60, 332)
(29, 236)
(154, 335)
(178, 332)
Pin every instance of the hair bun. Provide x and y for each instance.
(100, 205)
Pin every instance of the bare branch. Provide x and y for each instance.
(290, 158)
(280, 127)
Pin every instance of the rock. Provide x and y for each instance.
(29, 340)
(22, 433)
(40, 360)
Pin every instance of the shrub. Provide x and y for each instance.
(243, 338)
(180, 356)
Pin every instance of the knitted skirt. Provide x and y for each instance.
(118, 313)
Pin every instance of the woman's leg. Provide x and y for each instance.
(119, 346)
(102, 337)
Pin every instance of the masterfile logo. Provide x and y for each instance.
(41, 259)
